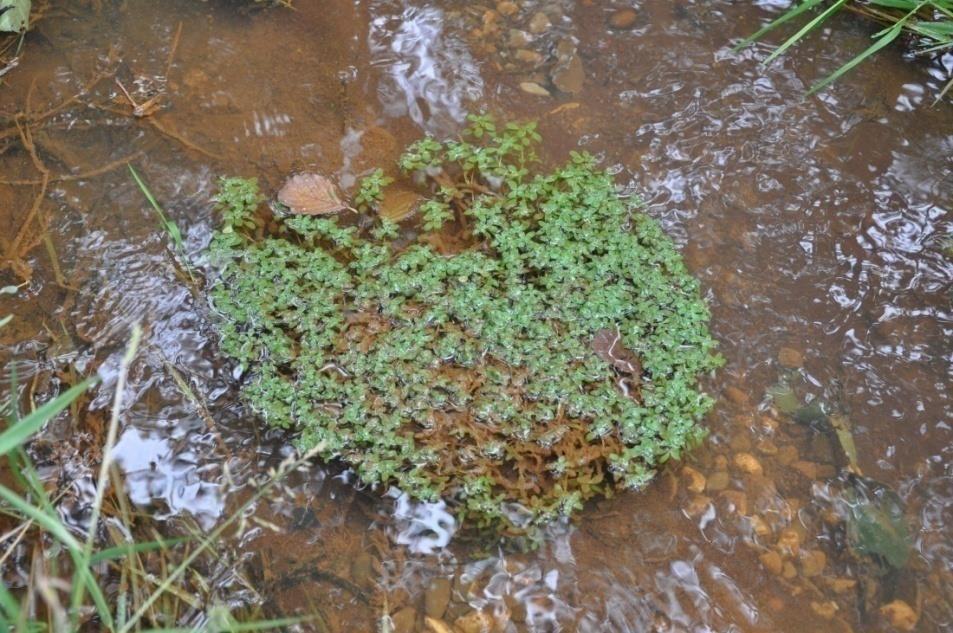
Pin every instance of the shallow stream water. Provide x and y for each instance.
(815, 224)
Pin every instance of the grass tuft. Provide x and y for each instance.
(930, 22)
(108, 578)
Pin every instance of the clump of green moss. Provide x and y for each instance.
(530, 341)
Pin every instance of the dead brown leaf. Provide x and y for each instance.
(310, 194)
(398, 204)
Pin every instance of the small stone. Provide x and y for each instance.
(842, 585)
(759, 526)
(826, 610)
(696, 480)
(747, 463)
(900, 615)
(698, 506)
(740, 443)
(720, 462)
(565, 50)
(790, 358)
(518, 39)
(808, 469)
(737, 501)
(789, 541)
(405, 620)
(528, 56)
(767, 447)
(788, 571)
(736, 395)
(435, 625)
(623, 19)
(787, 455)
(718, 481)
(437, 597)
(507, 8)
(812, 563)
(539, 23)
(772, 562)
(474, 622)
(534, 88)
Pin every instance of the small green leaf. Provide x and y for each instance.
(22, 429)
(784, 398)
(876, 525)
(812, 413)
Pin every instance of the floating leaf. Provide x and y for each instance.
(399, 204)
(14, 15)
(876, 525)
(784, 398)
(310, 194)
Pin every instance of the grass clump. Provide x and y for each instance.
(115, 573)
(929, 22)
(532, 342)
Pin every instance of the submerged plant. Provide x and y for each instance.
(538, 344)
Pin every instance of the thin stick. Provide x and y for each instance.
(92, 173)
(178, 137)
(175, 45)
(111, 435)
(16, 247)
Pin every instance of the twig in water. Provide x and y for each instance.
(172, 49)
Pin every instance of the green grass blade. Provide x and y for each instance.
(21, 431)
(790, 15)
(888, 36)
(168, 225)
(57, 530)
(807, 28)
(943, 92)
(9, 608)
(119, 551)
(84, 555)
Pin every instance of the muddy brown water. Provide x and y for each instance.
(815, 225)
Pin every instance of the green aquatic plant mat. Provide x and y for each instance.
(532, 340)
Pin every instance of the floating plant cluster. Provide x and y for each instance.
(520, 343)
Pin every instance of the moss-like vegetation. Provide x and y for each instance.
(530, 342)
